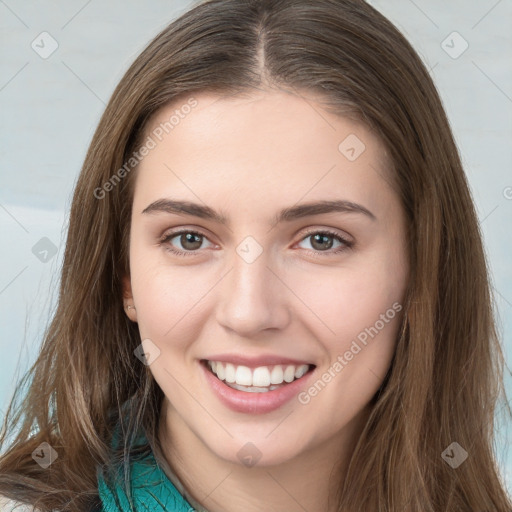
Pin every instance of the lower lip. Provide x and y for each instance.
(254, 403)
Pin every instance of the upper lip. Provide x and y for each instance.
(255, 362)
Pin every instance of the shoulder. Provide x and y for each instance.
(8, 505)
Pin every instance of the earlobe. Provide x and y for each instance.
(129, 306)
(131, 312)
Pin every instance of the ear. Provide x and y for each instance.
(129, 306)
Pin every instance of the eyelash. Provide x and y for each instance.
(347, 244)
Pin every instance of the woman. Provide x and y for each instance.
(274, 292)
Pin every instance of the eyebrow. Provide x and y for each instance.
(287, 214)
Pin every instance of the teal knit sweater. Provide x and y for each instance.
(151, 489)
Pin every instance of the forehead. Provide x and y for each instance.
(260, 146)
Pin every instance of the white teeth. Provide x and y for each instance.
(289, 373)
(243, 376)
(276, 377)
(220, 371)
(253, 389)
(261, 377)
(301, 370)
(230, 372)
(257, 379)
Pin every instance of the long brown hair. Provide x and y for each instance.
(446, 376)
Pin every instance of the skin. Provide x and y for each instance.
(251, 156)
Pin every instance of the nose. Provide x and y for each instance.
(252, 298)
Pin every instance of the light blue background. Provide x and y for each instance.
(50, 108)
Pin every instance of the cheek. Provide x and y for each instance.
(347, 300)
(363, 312)
(169, 299)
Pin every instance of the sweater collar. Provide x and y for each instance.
(151, 489)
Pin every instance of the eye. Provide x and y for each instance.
(190, 241)
(322, 242)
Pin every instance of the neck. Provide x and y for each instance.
(303, 483)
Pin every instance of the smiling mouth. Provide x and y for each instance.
(257, 380)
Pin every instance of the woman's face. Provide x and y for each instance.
(265, 239)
